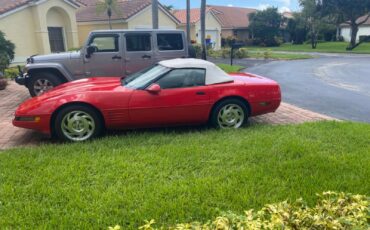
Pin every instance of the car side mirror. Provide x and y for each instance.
(90, 50)
(154, 88)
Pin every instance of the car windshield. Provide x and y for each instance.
(143, 78)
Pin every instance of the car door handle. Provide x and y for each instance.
(146, 57)
(116, 57)
(200, 93)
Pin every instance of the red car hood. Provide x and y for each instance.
(73, 88)
(84, 85)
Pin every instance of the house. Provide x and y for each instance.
(130, 14)
(364, 29)
(213, 26)
(221, 22)
(39, 26)
(234, 21)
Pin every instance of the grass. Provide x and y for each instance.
(278, 56)
(179, 175)
(230, 68)
(262, 53)
(325, 47)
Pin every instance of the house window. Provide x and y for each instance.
(56, 39)
(170, 42)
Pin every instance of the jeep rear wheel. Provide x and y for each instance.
(42, 82)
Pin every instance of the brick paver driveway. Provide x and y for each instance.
(14, 94)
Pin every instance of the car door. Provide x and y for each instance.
(107, 59)
(138, 51)
(183, 99)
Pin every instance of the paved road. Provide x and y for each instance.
(335, 85)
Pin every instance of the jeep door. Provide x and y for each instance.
(107, 60)
(138, 51)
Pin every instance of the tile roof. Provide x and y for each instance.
(233, 17)
(360, 19)
(8, 5)
(126, 9)
(88, 2)
(229, 17)
(194, 15)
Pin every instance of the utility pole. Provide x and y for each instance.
(155, 14)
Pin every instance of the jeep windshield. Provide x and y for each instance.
(144, 78)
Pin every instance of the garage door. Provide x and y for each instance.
(213, 34)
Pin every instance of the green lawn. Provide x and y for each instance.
(231, 68)
(179, 175)
(326, 47)
(277, 56)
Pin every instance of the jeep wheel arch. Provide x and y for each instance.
(42, 80)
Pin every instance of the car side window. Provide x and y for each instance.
(138, 42)
(183, 78)
(169, 41)
(105, 43)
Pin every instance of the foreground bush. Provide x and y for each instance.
(332, 211)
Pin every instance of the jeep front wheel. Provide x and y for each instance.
(42, 82)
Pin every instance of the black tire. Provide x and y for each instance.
(91, 115)
(42, 77)
(214, 118)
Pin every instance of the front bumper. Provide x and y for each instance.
(42, 124)
(22, 79)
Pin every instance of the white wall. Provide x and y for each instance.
(346, 32)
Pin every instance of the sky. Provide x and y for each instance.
(284, 5)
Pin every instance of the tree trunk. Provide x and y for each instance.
(109, 12)
(354, 31)
(338, 32)
(203, 29)
(188, 21)
(155, 14)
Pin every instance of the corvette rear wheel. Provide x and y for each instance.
(230, 113)
(77, 123)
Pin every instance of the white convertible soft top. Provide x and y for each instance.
(214, 74)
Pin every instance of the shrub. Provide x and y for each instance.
(267, 54)
(340, 38)
(198, 50)
(11, 73)
(6, 52)
(241, 53)
(226, 52)
(74, 49)
(332, 211)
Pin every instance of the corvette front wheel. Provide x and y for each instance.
(77, 123)
(230, 113)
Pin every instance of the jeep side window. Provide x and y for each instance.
(169, 41)
(105, 43)
(138, 42)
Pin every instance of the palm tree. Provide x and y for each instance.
(203, 29)
(169, 7)
(155, 13)
(188, 21)
(108, 6)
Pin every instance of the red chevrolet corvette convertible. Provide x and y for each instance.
(173, 92)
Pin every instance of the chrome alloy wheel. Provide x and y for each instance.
(231, 116)
(41, 86)
(78, 126)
